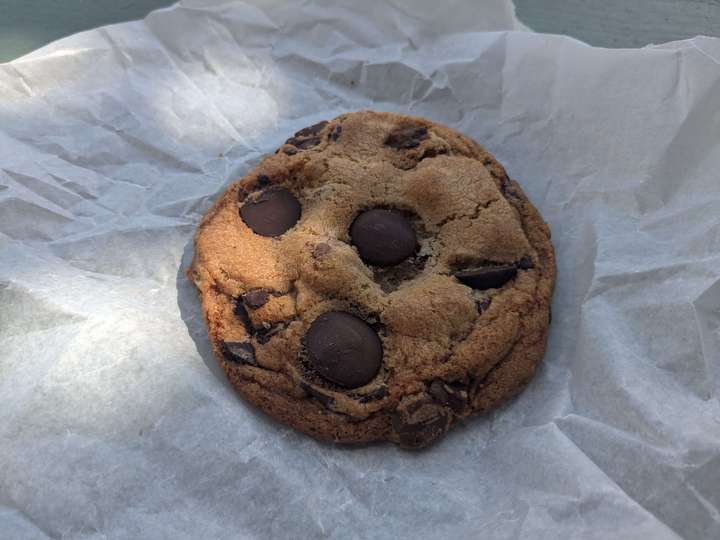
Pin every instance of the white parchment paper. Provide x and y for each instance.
(115, 422)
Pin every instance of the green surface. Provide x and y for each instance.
(622, 23)
(26, 25)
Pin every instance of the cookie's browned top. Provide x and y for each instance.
(466, 292)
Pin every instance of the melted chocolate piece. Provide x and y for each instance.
(335, 133)
(405, 137)
(453, 395)
(256, 298)
(525, 263)
(344, 349)
(383, 237)
(240, 352)
(487, 277)
(272, 212)
(307, 137)
(419, 420)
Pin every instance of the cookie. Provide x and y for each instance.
(378, 278)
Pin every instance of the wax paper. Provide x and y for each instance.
(115, 422)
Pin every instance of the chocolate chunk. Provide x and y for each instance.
(488, 277)
(321, 250)
(344, 349)
(256, 298)
(483, 305)
(335, 133)
(261, 334)
(307, 137)
(240, 352)
(272, 212)
(242, 314)
(406, 137)
(453, 395)
(525, 263)
(265, 332)
(419, 420)
(303, 144)
(383, 237)
(262, 181)
(312, 130)
(434, 152)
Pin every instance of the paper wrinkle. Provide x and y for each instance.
(611, 454)
(620, 435)
(117, 422)
(16, 524)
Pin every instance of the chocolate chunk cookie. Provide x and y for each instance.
(378, 278)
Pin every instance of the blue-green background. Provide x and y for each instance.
(28, 24)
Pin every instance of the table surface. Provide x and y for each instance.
(28, 24)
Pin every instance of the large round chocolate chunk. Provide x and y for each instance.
(272, 212)
(419, 420)
(383, 237)
(344, 349)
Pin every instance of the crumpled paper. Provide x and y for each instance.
(116, 423)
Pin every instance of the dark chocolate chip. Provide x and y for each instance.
(525, 263)
(303, 143)
(240, 352)
(434, 152)
(344, 349)
(312, 130)
(307, 137)
(321, 250)
(488, 277)
(263, 181)
(261, 334)
(267, 331)
(335, 133)
(483, 305)
(256, 298)
(453, 395)
(406, 137)
(422, 434)
(242, 314)
(272, 212)
(383, 237)
(420, 422)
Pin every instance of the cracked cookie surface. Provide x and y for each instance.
(378, 278)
